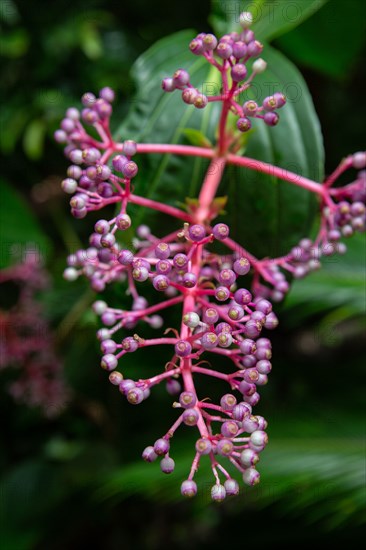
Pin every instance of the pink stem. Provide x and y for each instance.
(159, 377)
(158, 341)
(211, 372)
(176, 424)
(166, 209)
(277, 172)
(188, 150)
(157, 307)
(343, 166)
(209, 188)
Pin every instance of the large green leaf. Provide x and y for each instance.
(19, 230)
(300, 476)
(325, 54)
(338, 287)
(271, 19)
(270, 215)
(263, 211)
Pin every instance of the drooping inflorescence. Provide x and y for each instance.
(225, 299)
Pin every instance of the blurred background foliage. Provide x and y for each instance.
(76, 480)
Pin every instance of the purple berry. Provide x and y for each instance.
(224, 339)
(107, 94)
(239, 49)
(203, 446)
(222, 293)
(187, 399)
(243, 124)
(189, 280)
(229, 428)
(241, 411)
(197, 232)
(115, 378)
(280, 99)
(218, 493)
(255, 48)
(129, 344)
(252, 329)
(167, 465)
(135, 396)
(249, 458)
(241, 266)
(189, 95)
(210, 316)
(129, 147)
(168, 85)
(228, 402)
(200, 101)
(126, 385)
(191, 417)
(161, 446)
(224, 50)
(182, 348)
(162, 251)
(220, 231)
(188, 488)
(109, 362)
(231, 487)
(224, 447)
(160, 282)
(270, 103)
(140, 274)
(191, 319)
(209, 42)
(209, 340)
(271, 119)
(180, 78)
(250, 108)
(227, 277)
(123, 222)
(173, 387)
(125, 257)
(271, 321)
(235, 312)
(242, 297)
(251, 476)
(163, 267)
(180, 261)
(238, 72)
(196, 46)
(149, 455)
(247, 346)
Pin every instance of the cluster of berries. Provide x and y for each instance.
(91, 181)
(224, 320)
(27, 343)
(230, 55)
(343, 214)
(220, 316)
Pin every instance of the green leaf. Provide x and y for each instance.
(196, 137)
(158, 117)
(269, 215)
(301, 476)
(33, 139)
(266, 215)
(339, 286)
(271, 19)
(19, 228)
(326, 54)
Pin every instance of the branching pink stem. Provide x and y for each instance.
(188, 150)
(281, 173)
(165, 208)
